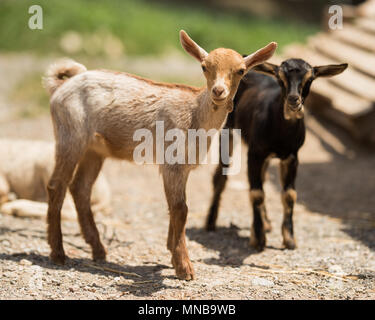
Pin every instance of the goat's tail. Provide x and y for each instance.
(59, 72)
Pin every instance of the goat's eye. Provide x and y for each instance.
(241, 72)
(204, 68)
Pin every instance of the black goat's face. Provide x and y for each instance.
(295, 77)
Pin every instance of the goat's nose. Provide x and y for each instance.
(218, 91)
(292, 99)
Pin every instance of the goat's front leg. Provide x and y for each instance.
(288, 172)
(175, 179)
(219, 180)
(255, 166)
(266, 221)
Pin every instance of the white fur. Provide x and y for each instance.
(25, 167)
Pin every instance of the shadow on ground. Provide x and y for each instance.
(233, 249)
(148, 281)
(147, 278)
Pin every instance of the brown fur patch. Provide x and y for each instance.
(156, 83)
(257, 196)
(100, 145)
(284, 168)
(283, 78)
(289, 241)
(306, 77)
(289, 197)
(227, 59)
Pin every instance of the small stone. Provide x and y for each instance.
(55, 282)
(262, 282)
(74, 288)
(36, 268)
(351, 254)
(25, 262)
(336, 269)
(117, 279)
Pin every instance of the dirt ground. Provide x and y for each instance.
(334, 226)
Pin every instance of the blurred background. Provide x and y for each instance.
(137, 36)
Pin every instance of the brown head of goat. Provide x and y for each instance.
(224, 68)
(95, 115)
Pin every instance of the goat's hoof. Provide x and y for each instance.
(173, 263)
(258, 244)
(58, 257)
(184, 271)
(289, 244)
(183, 274)
(99, 255)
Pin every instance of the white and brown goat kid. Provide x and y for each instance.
(95, 115)
(269, 110)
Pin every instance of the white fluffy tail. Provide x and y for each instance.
(59, 72)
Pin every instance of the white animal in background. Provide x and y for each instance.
(25, 167)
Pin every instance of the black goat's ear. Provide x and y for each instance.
(267, 68)
(329, 70)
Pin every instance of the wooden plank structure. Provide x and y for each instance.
(347, 99)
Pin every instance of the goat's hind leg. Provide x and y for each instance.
(219, 182)
(80, 188)
(56, 189)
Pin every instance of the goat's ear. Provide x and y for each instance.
(267, 68)
(260, 55)
(191, 47)
(329, 70)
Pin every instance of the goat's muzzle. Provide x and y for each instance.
(294, 103)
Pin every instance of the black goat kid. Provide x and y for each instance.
(268, 108)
